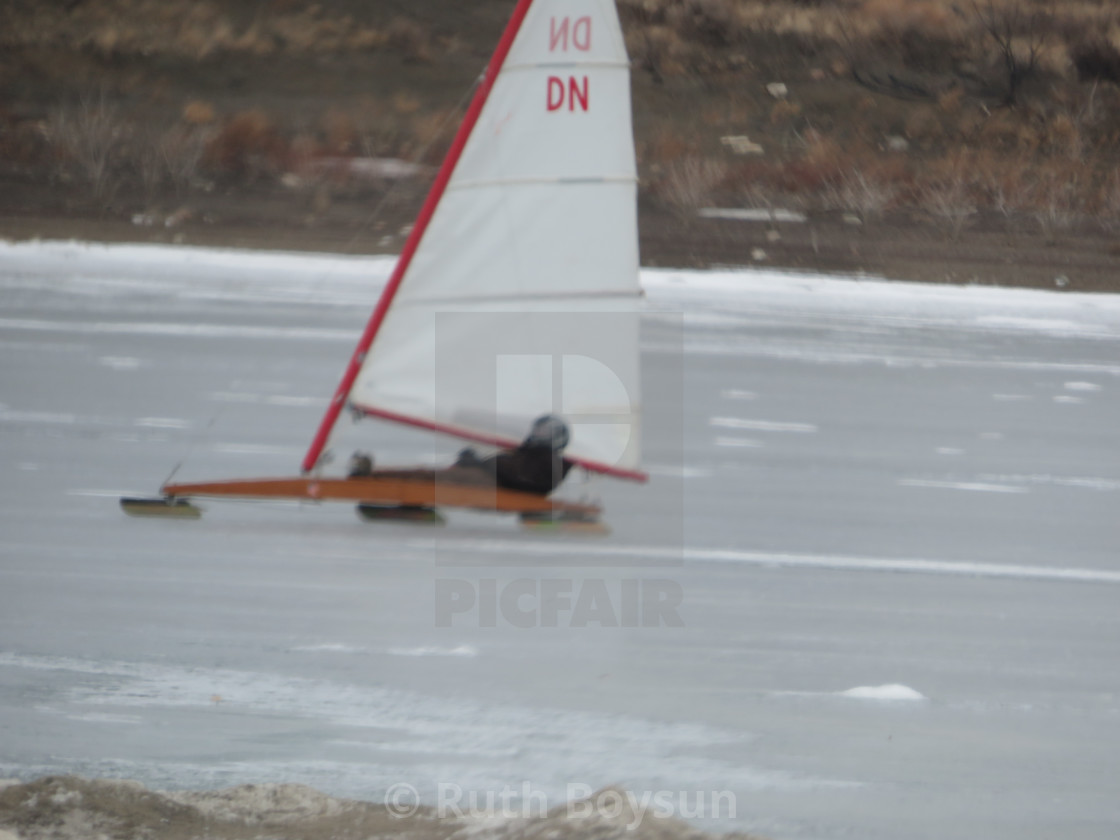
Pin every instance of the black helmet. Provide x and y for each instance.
(549, 431)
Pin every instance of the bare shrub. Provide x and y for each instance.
(1018, 31)
(861, 191)
(1108, 203)
(170, 156)
(1055, 198)
(181, 149)
(89, 135)
(949, 200)
(1068, 129)
(687, 184)
(1005, 187)
(148, 163)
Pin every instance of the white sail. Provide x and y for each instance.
(520, 299)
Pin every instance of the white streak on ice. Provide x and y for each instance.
(119, 362)
(1082, 386)
(671, 471)
(1080, 482)
(162, 423)
(466, 651)
(174, 330)
(894, 691)
(298, 402)
(738, 443)
(99, 494)
(839, 562)
(44, 417)
(971, 486)
(761, 425)
(255, 449)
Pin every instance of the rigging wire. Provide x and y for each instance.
(194, 445)
(375, 214)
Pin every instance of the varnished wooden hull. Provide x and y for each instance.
(421, 489)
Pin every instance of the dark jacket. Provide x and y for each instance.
(530, 468)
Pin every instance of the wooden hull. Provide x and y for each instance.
(421, 489)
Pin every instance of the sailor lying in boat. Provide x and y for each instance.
(536, 466)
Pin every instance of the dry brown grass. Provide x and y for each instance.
(410, 38)
(248, 146)
(689, 183)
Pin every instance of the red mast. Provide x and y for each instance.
(417, 234)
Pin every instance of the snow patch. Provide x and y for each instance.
(893, 691)
(751, 214)
(1082, 386)
(1068, 400)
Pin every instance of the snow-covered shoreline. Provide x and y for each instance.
(346, 280)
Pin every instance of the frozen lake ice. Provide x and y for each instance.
(888, 512)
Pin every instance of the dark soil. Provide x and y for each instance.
(42, 196)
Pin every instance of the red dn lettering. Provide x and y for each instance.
(571, 92)
(563, 34)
